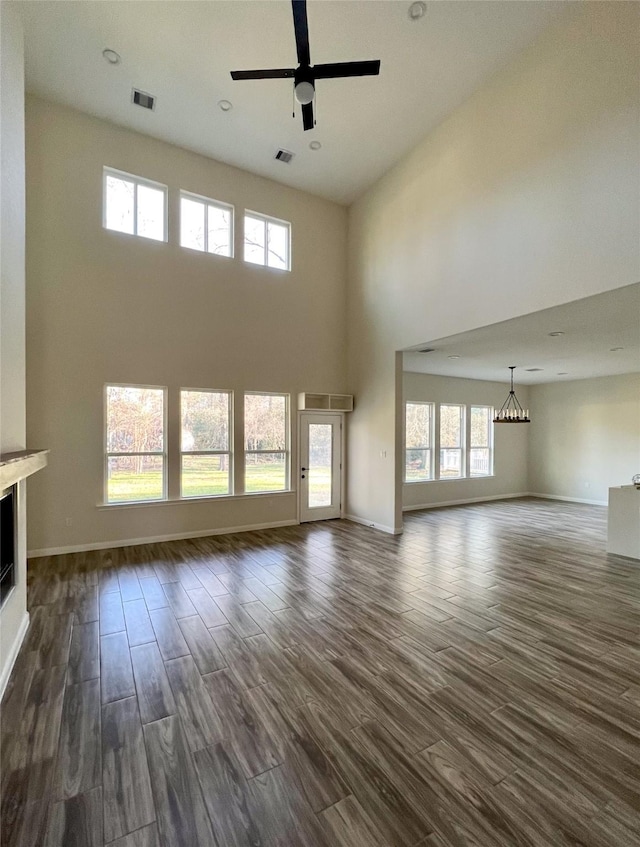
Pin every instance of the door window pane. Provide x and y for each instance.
(319, 472)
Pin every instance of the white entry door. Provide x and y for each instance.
(320, 466)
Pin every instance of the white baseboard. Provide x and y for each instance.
(176, 536)
(373, 524)
(467, 500)
(570, 499)
(13, 653)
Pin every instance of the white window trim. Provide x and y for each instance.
(229, 452)
(428, 447)
(286, 451)
(465, 443)
(137, 180)
(107, 455)
(267, 219)
(219, 204)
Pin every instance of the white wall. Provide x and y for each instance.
(586, 436)
(106, 307)
(510, 442)
(524, 198)
(13, 618)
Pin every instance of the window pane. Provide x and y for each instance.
(219, 231)
(479, 461)
(119, 204)
(205, 420)
(450, 464)
(135, 419)
(191, 224)
(204, 476)
(265, 422)
(265, 472)
(135, 478)
(418, 425)
(151, 212)
(320, 465)
(480, 422)
(417, 465)
(254, 236)
(278, 246)
(450, 426)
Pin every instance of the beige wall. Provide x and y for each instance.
(524, 198)
(586, 437)
(510, 442)
(13, 617)
(106, 307)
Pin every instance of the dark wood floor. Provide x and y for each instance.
(475, 681)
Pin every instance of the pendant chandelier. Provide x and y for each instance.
(511, 411)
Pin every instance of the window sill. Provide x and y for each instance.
(177, 500)
(449, 479)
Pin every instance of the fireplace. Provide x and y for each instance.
(7, 543)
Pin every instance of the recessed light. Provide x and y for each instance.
(555, 334)
(615, 349)
(315, 145)
(111, 56)
(453, 357)
(225, 105)
(417, 10)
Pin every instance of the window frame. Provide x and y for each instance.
(109, 454)
(229, 453)
(287, 435)
(137, 180)
(488, 447)
(218, 204)
(429, 447)
(266, 219)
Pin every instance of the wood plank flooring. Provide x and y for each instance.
(474, 682)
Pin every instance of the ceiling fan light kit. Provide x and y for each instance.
(306, 74)
(511, 411)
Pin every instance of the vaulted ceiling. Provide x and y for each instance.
(182, 52)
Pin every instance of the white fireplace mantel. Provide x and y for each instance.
(20, 465)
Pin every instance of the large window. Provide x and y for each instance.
(134, 205)
(451, 441)
(266, 442)
(206, 225)
(480, 447)
(135, 456)
(267, 241)
(418, 464)
(205, 468)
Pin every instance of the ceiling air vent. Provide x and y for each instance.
(284, 156)
(533, 370)
(141, 98)
(426, 350)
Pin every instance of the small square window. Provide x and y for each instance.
(134, 205)
(267, 241)
(206, 225)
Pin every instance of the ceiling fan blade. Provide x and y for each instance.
(307, 116)
(271, 73)
(301, 28)
(343, 69)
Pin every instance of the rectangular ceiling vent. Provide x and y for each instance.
(284, 156)
(141, 98)
(426, 350)
(533, 370)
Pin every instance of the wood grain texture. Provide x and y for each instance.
(472, 682)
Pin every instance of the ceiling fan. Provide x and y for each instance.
(306, 74)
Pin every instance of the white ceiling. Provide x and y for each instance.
(591, 328)
(182, 52)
